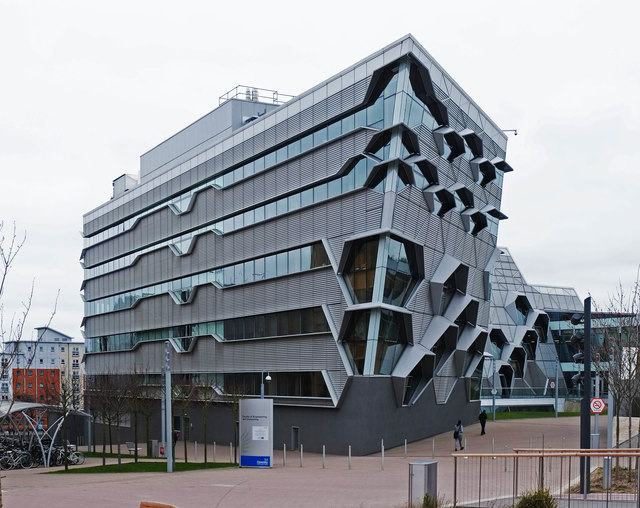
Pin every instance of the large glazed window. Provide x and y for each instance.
(399, 271)
(392, 339)
(282, 384)
(370, 353)
(400, 279)
(356, 340)
(279, 324)
(522, 310)
(361, 271)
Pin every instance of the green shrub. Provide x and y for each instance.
(430, 502)
(540, 498)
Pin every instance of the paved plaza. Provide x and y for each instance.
(366, 484)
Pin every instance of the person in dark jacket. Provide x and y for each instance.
(483, 420)
(457, 436)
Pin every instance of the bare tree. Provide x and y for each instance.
(141, 402)
(117, 401)
(136, 396)
(617, 357)
(183, 394)
(233, 393)
(97, 400)
(63, 398)
(12, 329)
(206, 396)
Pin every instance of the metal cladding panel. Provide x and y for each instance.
(432, 259)
(421, 300)
(320, 112)
(410, 213)
(338, 379)
(281, 132)
(431, 234)
(269, 137)
(337, 310)
(293, 124)
(308, 289)
(475, 286)
(334, 105)
(483, 314)
(211, 204)
(336, 245)
(292, 354)
(427, 143)
(306, 119)
(420, 322)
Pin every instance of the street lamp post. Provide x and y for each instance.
(493, 385)
(262, 380)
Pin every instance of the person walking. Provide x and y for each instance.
(483, 420)
(457, 435)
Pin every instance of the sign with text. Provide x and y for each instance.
(256, 432)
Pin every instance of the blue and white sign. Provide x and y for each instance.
(256, 432)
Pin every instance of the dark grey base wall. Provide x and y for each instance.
(367, 415)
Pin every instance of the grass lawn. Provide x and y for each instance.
(517, 415)
(144, 467)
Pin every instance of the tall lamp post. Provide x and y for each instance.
(493, 385)
(262, 380)
(585, 410)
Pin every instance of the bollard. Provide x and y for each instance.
(323, 457)
(301, 455)
(231, 453)
(284, 454)
(505, 459)
(606, 473)
(465, 443)
(405, 448)
(382, 454)
(214, 451)
(493, 445)
(349, 456)
(195, 450)
(433, 448)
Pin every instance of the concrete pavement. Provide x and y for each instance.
(366, 484)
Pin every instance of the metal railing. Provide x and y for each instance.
(251, 93)
(610, 477)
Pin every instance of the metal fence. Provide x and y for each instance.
(609, 477)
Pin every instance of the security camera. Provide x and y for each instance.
(267, 378)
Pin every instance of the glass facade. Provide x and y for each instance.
(360, 273)
(292, 322)
(386, 346)
(375, 338)
(399, 280)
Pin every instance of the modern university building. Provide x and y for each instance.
(342, 243)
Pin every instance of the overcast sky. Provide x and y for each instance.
(87, 87)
